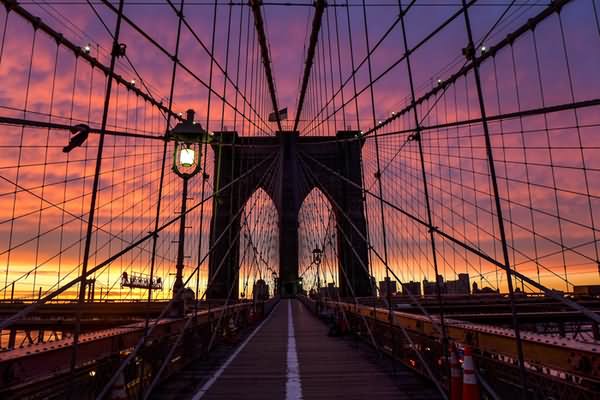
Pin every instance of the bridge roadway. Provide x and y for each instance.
(290, 356)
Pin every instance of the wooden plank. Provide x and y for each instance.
(339, 368)
(258, 371)
(329, 367)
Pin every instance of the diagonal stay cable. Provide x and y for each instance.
(183, 66)
(78, 51)
(233, 243)
(196, 270)
(421, 43)
(362, 237)
(388, 304)
(530, 25)
(216, 62)
(310, 55)
(8, 321)
(478, 252)
(359, 66)
(264, 51)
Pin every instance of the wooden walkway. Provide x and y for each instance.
(266, 366)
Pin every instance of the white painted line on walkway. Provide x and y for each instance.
(293, 387)
(232, 357)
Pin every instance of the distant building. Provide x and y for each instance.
(331, 291)
(411, 287)
(590, 290)
(387, 287)
(430, 289)
(484, 290)
(459, 286)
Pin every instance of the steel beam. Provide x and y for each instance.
(560, 354)
(37, 361)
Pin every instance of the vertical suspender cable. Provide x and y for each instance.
(88, 240)
(417, 138)
(470, 52)
(163, 164)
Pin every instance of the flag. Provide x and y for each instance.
(282, 115)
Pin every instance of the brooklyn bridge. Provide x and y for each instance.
(299, 200)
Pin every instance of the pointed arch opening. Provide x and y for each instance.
(259, 247)
(317, 243)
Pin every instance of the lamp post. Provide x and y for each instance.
(188, 137)
(317, 255)
(275, 283)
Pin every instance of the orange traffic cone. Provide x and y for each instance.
(119, 391)
(470, 387)
(455, 375)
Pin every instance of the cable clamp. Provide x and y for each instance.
(469, 52)
(119, 49)
(415, 137)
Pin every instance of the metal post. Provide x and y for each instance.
(318, 279)
(178, 285)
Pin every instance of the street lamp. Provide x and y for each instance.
(317, 255)
(188, 137)
(275, 283)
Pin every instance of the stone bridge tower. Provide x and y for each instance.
(235, 155)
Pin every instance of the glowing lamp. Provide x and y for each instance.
(188, 137)
(187, 157)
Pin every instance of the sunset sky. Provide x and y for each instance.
(548, 164)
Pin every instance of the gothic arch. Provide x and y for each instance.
(258, 240)
(303, 163)
(316, 227)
